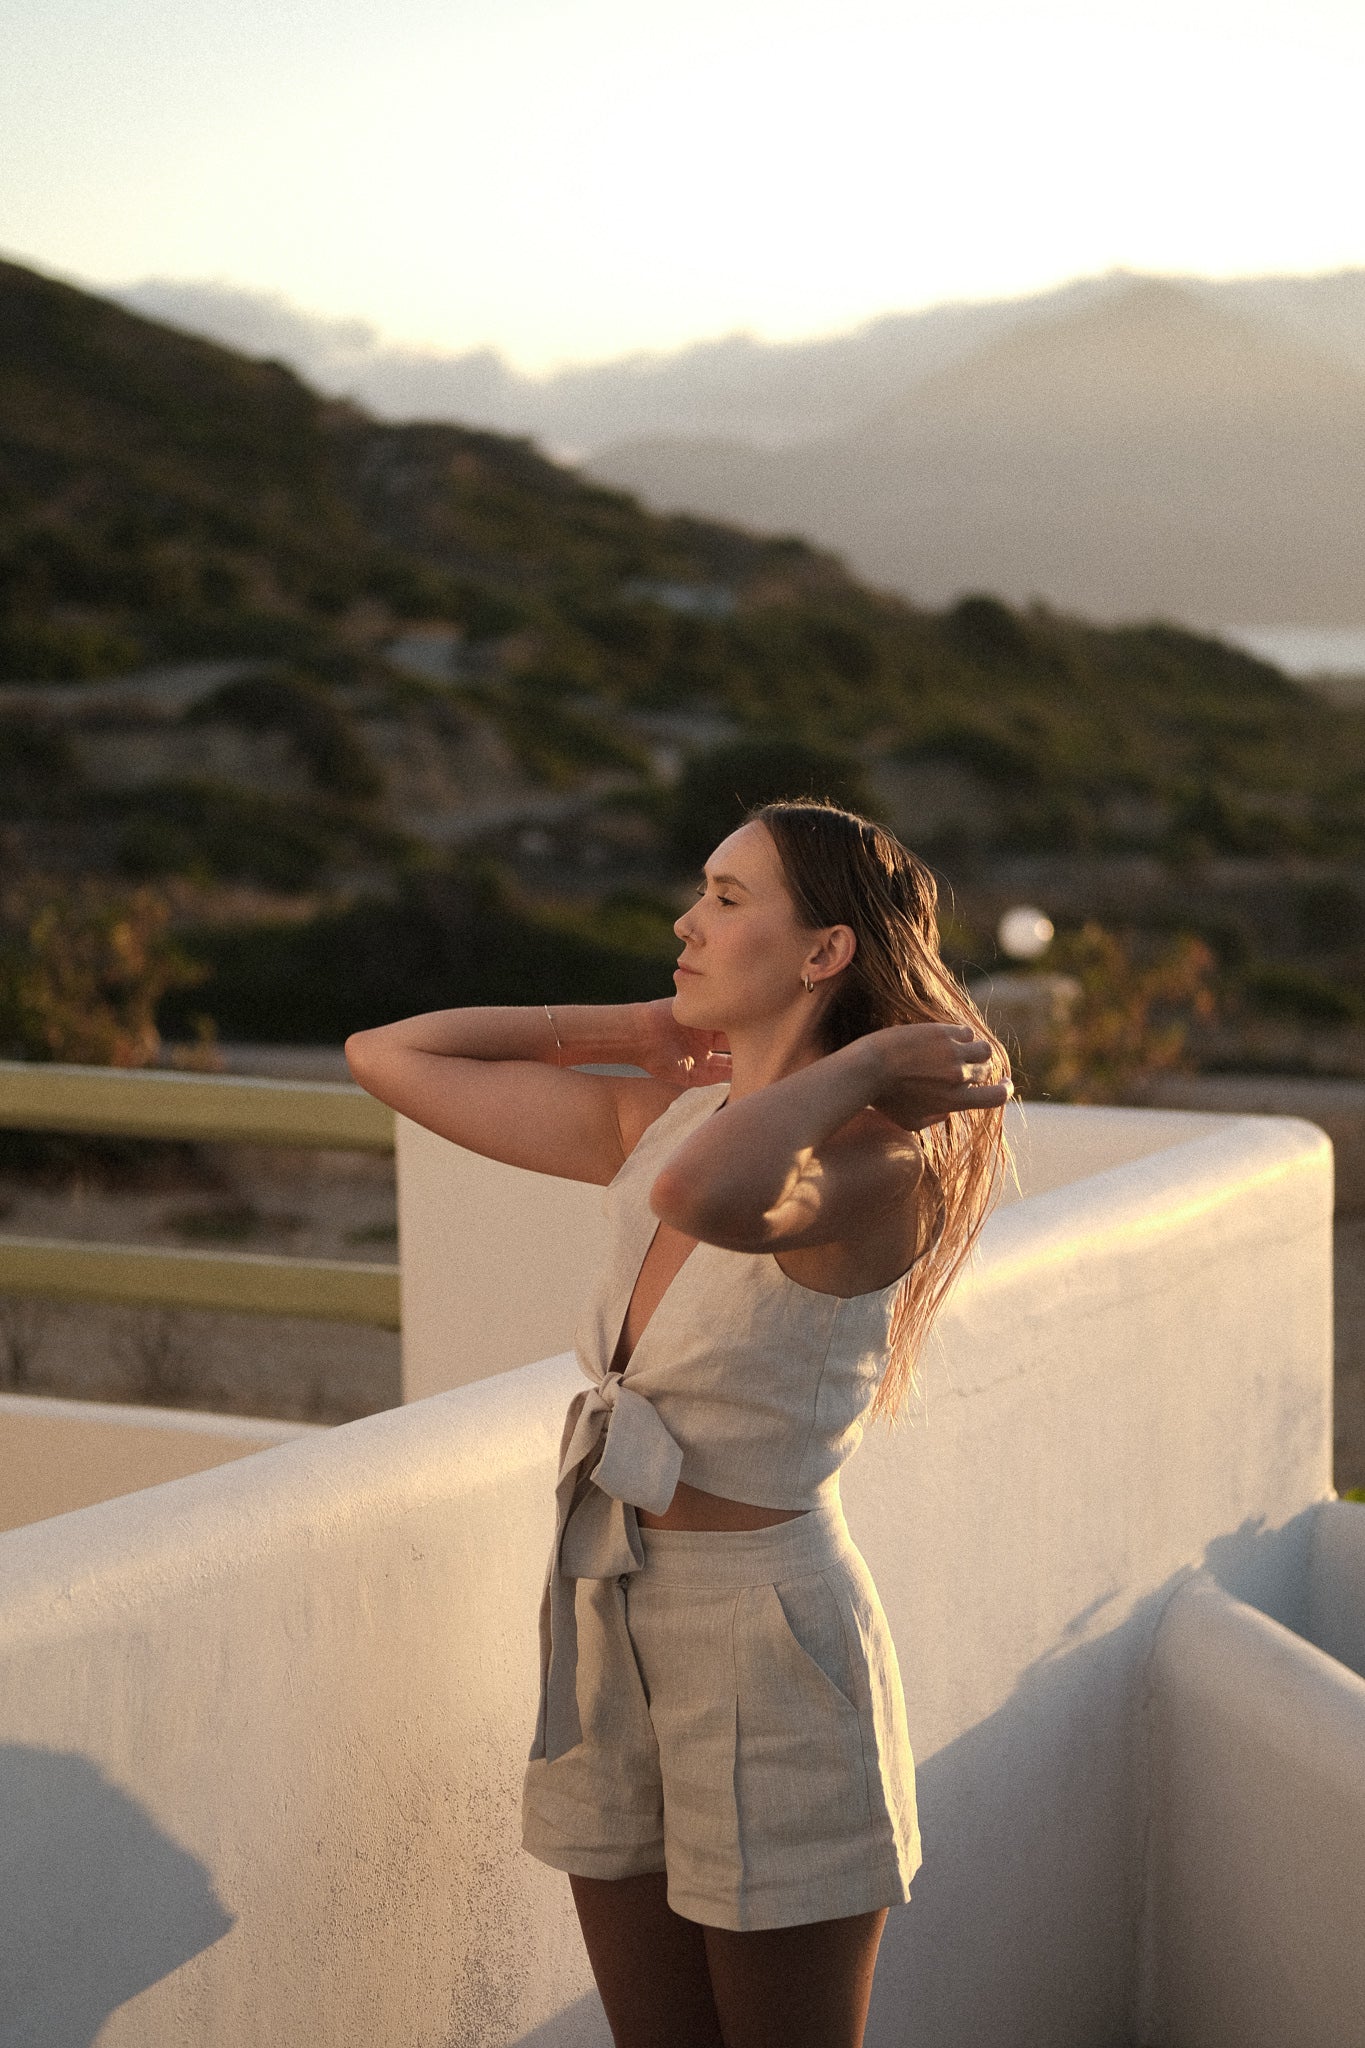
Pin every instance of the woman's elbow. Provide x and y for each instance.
(677, 1201)
(360, 1049)
(673, 1202)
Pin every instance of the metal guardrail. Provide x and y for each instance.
(335, 1290)
(142, 1102)
(223, 1109)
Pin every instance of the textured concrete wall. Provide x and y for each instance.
(262, 1729)
(1257, 1937)
(56, 1456)
(1137, 1380)
(494, 1259)
(260, 1742)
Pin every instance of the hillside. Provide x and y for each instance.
(160, 495)
(1144, 453)
(339, 837)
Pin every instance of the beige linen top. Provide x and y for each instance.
(743, 1383)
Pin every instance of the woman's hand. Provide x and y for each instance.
(678, 1054)
(923, 1073)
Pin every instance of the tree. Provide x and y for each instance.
(718, 788)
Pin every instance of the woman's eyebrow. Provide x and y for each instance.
(732, 881)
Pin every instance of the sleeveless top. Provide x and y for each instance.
(743, 1383)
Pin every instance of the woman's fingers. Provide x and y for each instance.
(984, 1094)
(919, 1103)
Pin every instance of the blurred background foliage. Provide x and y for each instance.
(466, 726)
(84, 971)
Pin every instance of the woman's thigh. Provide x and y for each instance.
(667, 1982)
(795, 1987)
(650, 1964)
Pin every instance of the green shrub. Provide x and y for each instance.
(1133, 1013)
(717, 789)
(216, 832)
(45, 651)
(987, 633)
(555, 744)
(452, 938)
(1330, 915)
(1287, 991)
(39, 771)
(974, 743)
(84, 970)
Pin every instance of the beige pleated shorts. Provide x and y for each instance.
(743, 1730)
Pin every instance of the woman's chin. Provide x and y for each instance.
(690, 1007)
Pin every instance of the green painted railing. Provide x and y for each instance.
(223, 1109)
(142, 1102)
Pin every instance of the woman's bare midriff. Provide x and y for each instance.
(692, 1508)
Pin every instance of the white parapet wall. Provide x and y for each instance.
(1256, 1932)
(56, 1456)
(261, 1730)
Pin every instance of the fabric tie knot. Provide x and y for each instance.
(614, 1439)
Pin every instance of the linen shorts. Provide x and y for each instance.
(743, 1730)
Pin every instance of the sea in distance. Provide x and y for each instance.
(1331, 658)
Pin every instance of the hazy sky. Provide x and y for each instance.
(576, 178)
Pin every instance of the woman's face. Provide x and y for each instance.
(744, 953)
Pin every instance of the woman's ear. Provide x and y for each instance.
(836, 948)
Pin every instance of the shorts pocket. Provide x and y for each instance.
(801, 1790)
(815, 1627)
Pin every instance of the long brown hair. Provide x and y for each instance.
(842, 869)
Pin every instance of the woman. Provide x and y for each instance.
(721, 1763)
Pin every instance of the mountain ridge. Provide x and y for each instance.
(770, 393)
(1140, 455)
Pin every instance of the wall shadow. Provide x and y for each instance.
(1035, 1823)
(96, 1902)
(580, 2025)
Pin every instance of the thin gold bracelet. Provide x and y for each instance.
(555, 1029)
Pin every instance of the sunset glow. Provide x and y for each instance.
(576, 180)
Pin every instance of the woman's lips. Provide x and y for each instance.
(680, 969)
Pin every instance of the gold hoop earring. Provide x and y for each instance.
(808, 985)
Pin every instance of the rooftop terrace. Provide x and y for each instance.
(261, 1727)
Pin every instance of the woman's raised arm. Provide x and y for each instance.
(501, 1081)
(798, 1164)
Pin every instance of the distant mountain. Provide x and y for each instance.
(772, 394)
(1146, 452)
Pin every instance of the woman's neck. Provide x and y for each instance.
(761, 1056)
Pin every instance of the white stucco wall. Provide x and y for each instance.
(1137, 1380)
(56, 1456)
(494, 1261)
(1257, 1927)
(262, 1729)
